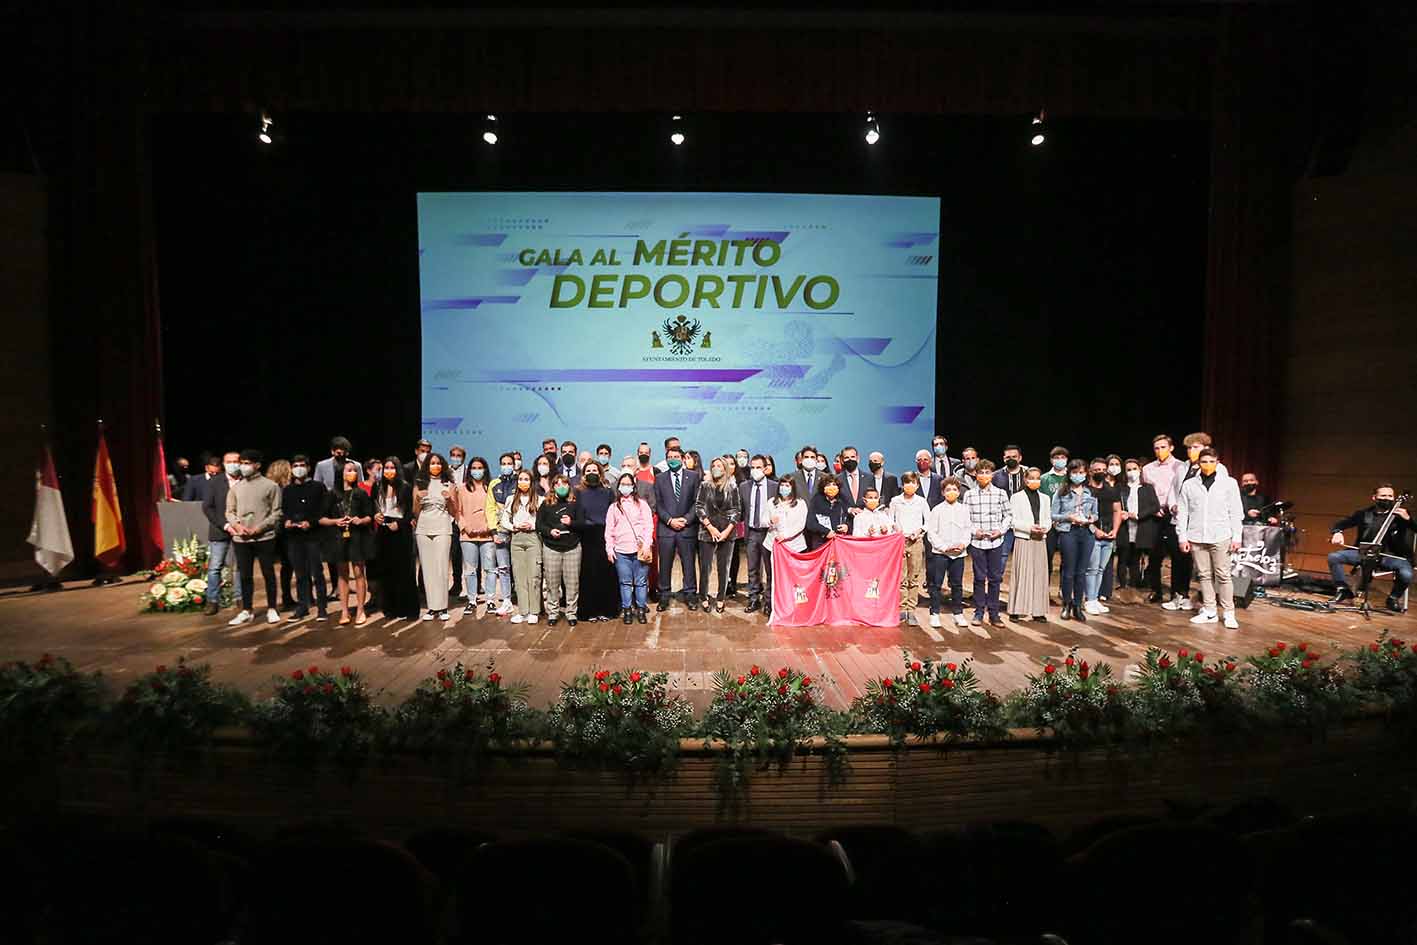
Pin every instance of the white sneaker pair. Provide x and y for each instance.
(1178, 603)
(935, 620)
(428, 615)
(531, 618)
(1205, 616)
(244, 617)
(960, 621)
(518, 618)
(1093, 607)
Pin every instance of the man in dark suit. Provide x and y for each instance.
(853, 481)
(941, 462)
(757, 492)
(1009, 475)
(887, 486)
(675, 492)
(195, 488)
(410, 468)
(809, 473)
(218, 538)
(931, 482)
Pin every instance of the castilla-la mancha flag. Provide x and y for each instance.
(49, 531)
(848, 580)
(108, 541)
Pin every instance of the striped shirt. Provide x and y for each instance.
(989, 511)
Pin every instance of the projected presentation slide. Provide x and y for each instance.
(764, 321)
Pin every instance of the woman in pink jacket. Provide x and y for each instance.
(629, 542)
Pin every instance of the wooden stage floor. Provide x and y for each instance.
(100, 628)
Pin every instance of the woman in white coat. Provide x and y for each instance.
(1028, 585)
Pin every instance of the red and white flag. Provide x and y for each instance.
(49, 532)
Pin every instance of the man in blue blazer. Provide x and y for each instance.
(675, 493)
(931, 482)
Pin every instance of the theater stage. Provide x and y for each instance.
(100, 628)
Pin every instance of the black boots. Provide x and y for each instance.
(1345, 593)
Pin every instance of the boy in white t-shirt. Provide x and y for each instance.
(910, 510)
(873, 520)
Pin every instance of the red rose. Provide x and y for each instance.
(947, 683)
(1306, 664)
(309, 690)
(314, 670)
(1374, 647)
(1049, 670)
(1068, 661)
(617, 690)
(602, 674)
(1414, 648)
(442, 674)
(1303, 647)
(1280, 645)
(634, 677)
(1183, 652)
(1083, 672)
(887, 683)
(925, 687)
(742, 680)
(1200, 657)
(1209, 671)
(1230, 667)
(806, 681)
(1084, 666)
(604, 687)
(297, 675)
(1164, 662)
(782, 690)
(1273, 651)
(915, 667)
(45, 660)
(447, 684)
(782, 673)
(951, 667)
(346, 671)
(728, 696)
(754, 671)
(158, 686)
(494, 678)
(161, 668)
(327, 688)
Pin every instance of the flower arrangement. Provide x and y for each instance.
(1175, 695)
(1292, 685)
(46, 704)
(174, 711)
(179, 583)
(1385, 673)
(624, 718)
(763, 718)
(929, 700)
(317, 716)
(458, 716)
(1077, 702)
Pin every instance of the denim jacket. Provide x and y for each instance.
(1066, 502)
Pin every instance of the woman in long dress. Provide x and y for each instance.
(600, 598)
(436, 508)
(348, 541)
(393, 515)
(1032, 515)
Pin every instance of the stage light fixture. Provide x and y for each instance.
(676, 136)
(489, 132)
(264, 135)
(1038, 136)
(873, 128)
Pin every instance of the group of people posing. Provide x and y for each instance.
(581, 537)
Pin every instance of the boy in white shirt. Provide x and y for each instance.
(909, 511)
(872, 520)
(948, 531)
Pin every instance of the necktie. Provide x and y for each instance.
(676, 487)
(811, 478)
(758, 505)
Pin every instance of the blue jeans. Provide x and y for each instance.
(1008, 547)
(988, 572)
(504, 567)
(479, 555)
(634, 580)
(1096, 564)
(1338, 561)
(219, 553)
(1076, 545)
(937, 569)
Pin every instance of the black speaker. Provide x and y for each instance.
(1244, 587)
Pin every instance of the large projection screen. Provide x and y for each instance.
(765, 321)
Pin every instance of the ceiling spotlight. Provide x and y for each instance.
(264, 135)
(489, 133)
(1038, 136)
(676, 136)
(1036, 140)
(873, 129)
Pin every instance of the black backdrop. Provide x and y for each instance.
(1072, 276)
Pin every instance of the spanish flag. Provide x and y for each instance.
(108, 541)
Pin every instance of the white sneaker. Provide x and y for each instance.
(935, 620)
(272, 616)
(1230, 622)
(427, 615)
(531, 618)
(504, 608)
(1179, 603)
(1205, 616)
(518, 618)
(1101, 607)
(244, 617)
(960, 621)
(1090, 606)
(443, 616)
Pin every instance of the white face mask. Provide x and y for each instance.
(542, 469)
(1133, 475)
(420, 456)
(248, 470)
(299, 472)
(232, 468)
(809, 464)
(1114, 470)
(757, 474)
(742, 459)
(603, 458)
(626, 488)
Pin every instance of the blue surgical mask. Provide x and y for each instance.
(1060, 463)
(940, 449)
(1077, 479)
(675, 463)
(476, 473)
(455, 462)
(784, 490)
(507, 469)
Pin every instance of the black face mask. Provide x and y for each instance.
(569, 459)
(592, 479)
(1384, 505)
(849, 465)
(875, 467)
(1097, 477)
(1252, 488)
(644, 459)
(1011, 463)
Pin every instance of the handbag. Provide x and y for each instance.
(642, 554)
